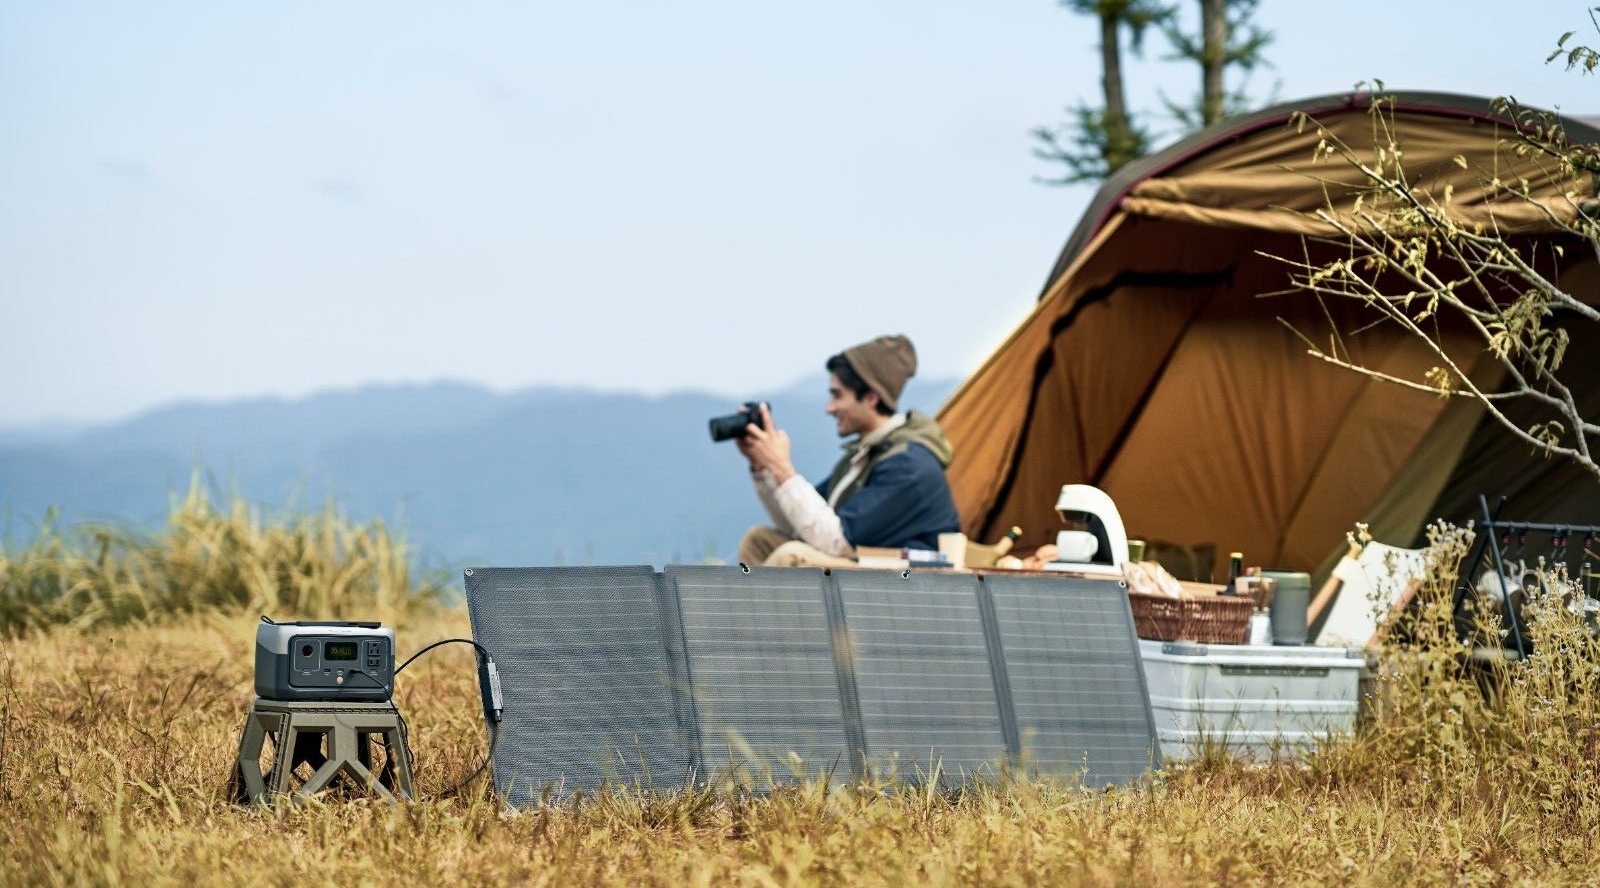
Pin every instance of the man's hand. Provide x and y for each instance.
(767, 447)
(744, 443)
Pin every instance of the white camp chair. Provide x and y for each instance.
(1367, 584)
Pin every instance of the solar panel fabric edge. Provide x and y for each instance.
(586, 679)
(997, 666)
(682, 683)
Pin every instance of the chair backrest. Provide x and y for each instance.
(1370, 585)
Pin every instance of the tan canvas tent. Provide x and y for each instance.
(1158, 366)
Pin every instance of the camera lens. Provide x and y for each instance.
(306, 650)
(724, 428)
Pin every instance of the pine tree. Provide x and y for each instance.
(1096, 141)
(1227, 41)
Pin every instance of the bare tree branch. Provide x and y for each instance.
(1414, 259)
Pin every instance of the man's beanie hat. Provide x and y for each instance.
(884, 364)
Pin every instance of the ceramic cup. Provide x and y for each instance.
(1076, 546)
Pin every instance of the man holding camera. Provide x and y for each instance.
(889, 489)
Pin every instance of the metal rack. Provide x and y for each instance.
(1495, 538)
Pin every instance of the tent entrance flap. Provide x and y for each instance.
(1102, 364)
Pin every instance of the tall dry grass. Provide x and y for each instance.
(115, 743)
(317, 566)
(1483, 727)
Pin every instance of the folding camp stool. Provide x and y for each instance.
(332, 738)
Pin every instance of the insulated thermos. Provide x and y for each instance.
(1289, 606)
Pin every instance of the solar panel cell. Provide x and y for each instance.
(922, 673)
(1072, 664)
(760, 659)
(584, 673)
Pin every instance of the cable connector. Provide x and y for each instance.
(489, 686)
(493, 703)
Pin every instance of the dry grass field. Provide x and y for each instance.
(118, 727)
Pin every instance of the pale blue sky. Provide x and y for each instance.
(206, 200)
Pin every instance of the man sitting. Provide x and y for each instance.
(889, 489)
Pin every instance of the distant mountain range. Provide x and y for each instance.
(475, 477)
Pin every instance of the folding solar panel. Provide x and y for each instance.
(922, 673)
(760, 659)
(1075, 678)
(618, 674)
(585, 675)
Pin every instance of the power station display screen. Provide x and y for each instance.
(340, 650)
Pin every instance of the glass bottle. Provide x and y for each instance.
(1235, 571)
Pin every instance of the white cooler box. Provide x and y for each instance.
(1249, 699)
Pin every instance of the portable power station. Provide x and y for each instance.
(330, 661)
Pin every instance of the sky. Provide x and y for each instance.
(204, 200)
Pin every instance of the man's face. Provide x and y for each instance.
(853, 415)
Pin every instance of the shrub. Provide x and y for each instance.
(318, 566)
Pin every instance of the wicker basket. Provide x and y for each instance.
(1210, 619)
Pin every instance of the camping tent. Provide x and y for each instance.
(1159, 363)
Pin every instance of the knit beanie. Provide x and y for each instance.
(884, 364)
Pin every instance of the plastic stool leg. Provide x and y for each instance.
(395, 758)
(246, 784)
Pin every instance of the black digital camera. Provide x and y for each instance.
(732, 426)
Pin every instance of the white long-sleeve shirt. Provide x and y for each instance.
(798, 510)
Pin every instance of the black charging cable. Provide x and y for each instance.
(493, 704)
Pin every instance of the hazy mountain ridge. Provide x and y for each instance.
(533, 476)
